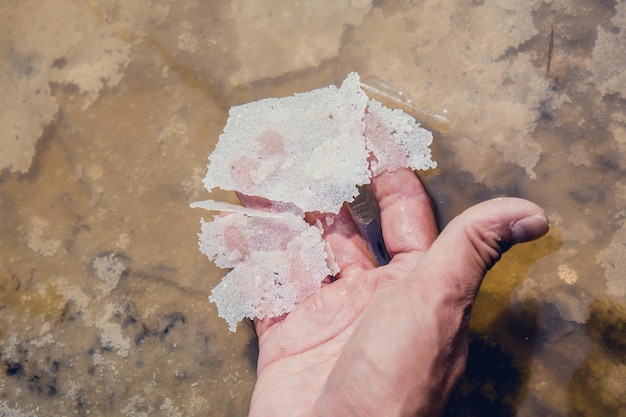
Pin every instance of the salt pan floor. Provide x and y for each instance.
(108, 110)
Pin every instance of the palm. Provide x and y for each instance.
(298, 353)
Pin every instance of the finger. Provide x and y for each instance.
(346, 243)
(476, 239)
(406, 211)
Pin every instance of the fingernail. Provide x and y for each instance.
(529, 228)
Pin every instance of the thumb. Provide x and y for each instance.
(477, 238)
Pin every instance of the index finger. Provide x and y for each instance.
(406, 211)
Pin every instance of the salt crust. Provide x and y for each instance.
(109, 269)
(294, 31)
(608, 62)
(395, 139)
(305, 153)
(296, 149)
(614, 263)
(277, 262)
(39, 240)
(63, 42)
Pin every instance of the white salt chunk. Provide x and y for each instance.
(109, 269)
(277, 262)
(396, 140)
(308, 149)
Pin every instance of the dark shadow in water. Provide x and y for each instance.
(453, 190)
(598, 387)
(495, 382)
(252, 351)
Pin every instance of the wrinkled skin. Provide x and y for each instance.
(390, 340)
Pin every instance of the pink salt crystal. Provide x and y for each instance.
(271, 143)
(395, 140)
(307, 149)
(242, 169)
(387, 153)
(276, 261)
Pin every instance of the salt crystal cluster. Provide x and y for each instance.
(276, 261)
(308, 149)
(305, 153)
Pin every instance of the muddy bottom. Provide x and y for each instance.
(108, 111)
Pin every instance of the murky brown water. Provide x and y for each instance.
(108, 111)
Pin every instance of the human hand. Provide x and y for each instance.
(389, 340)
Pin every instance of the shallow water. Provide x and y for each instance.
(110, 109)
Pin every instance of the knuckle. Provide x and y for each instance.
(486, 244)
